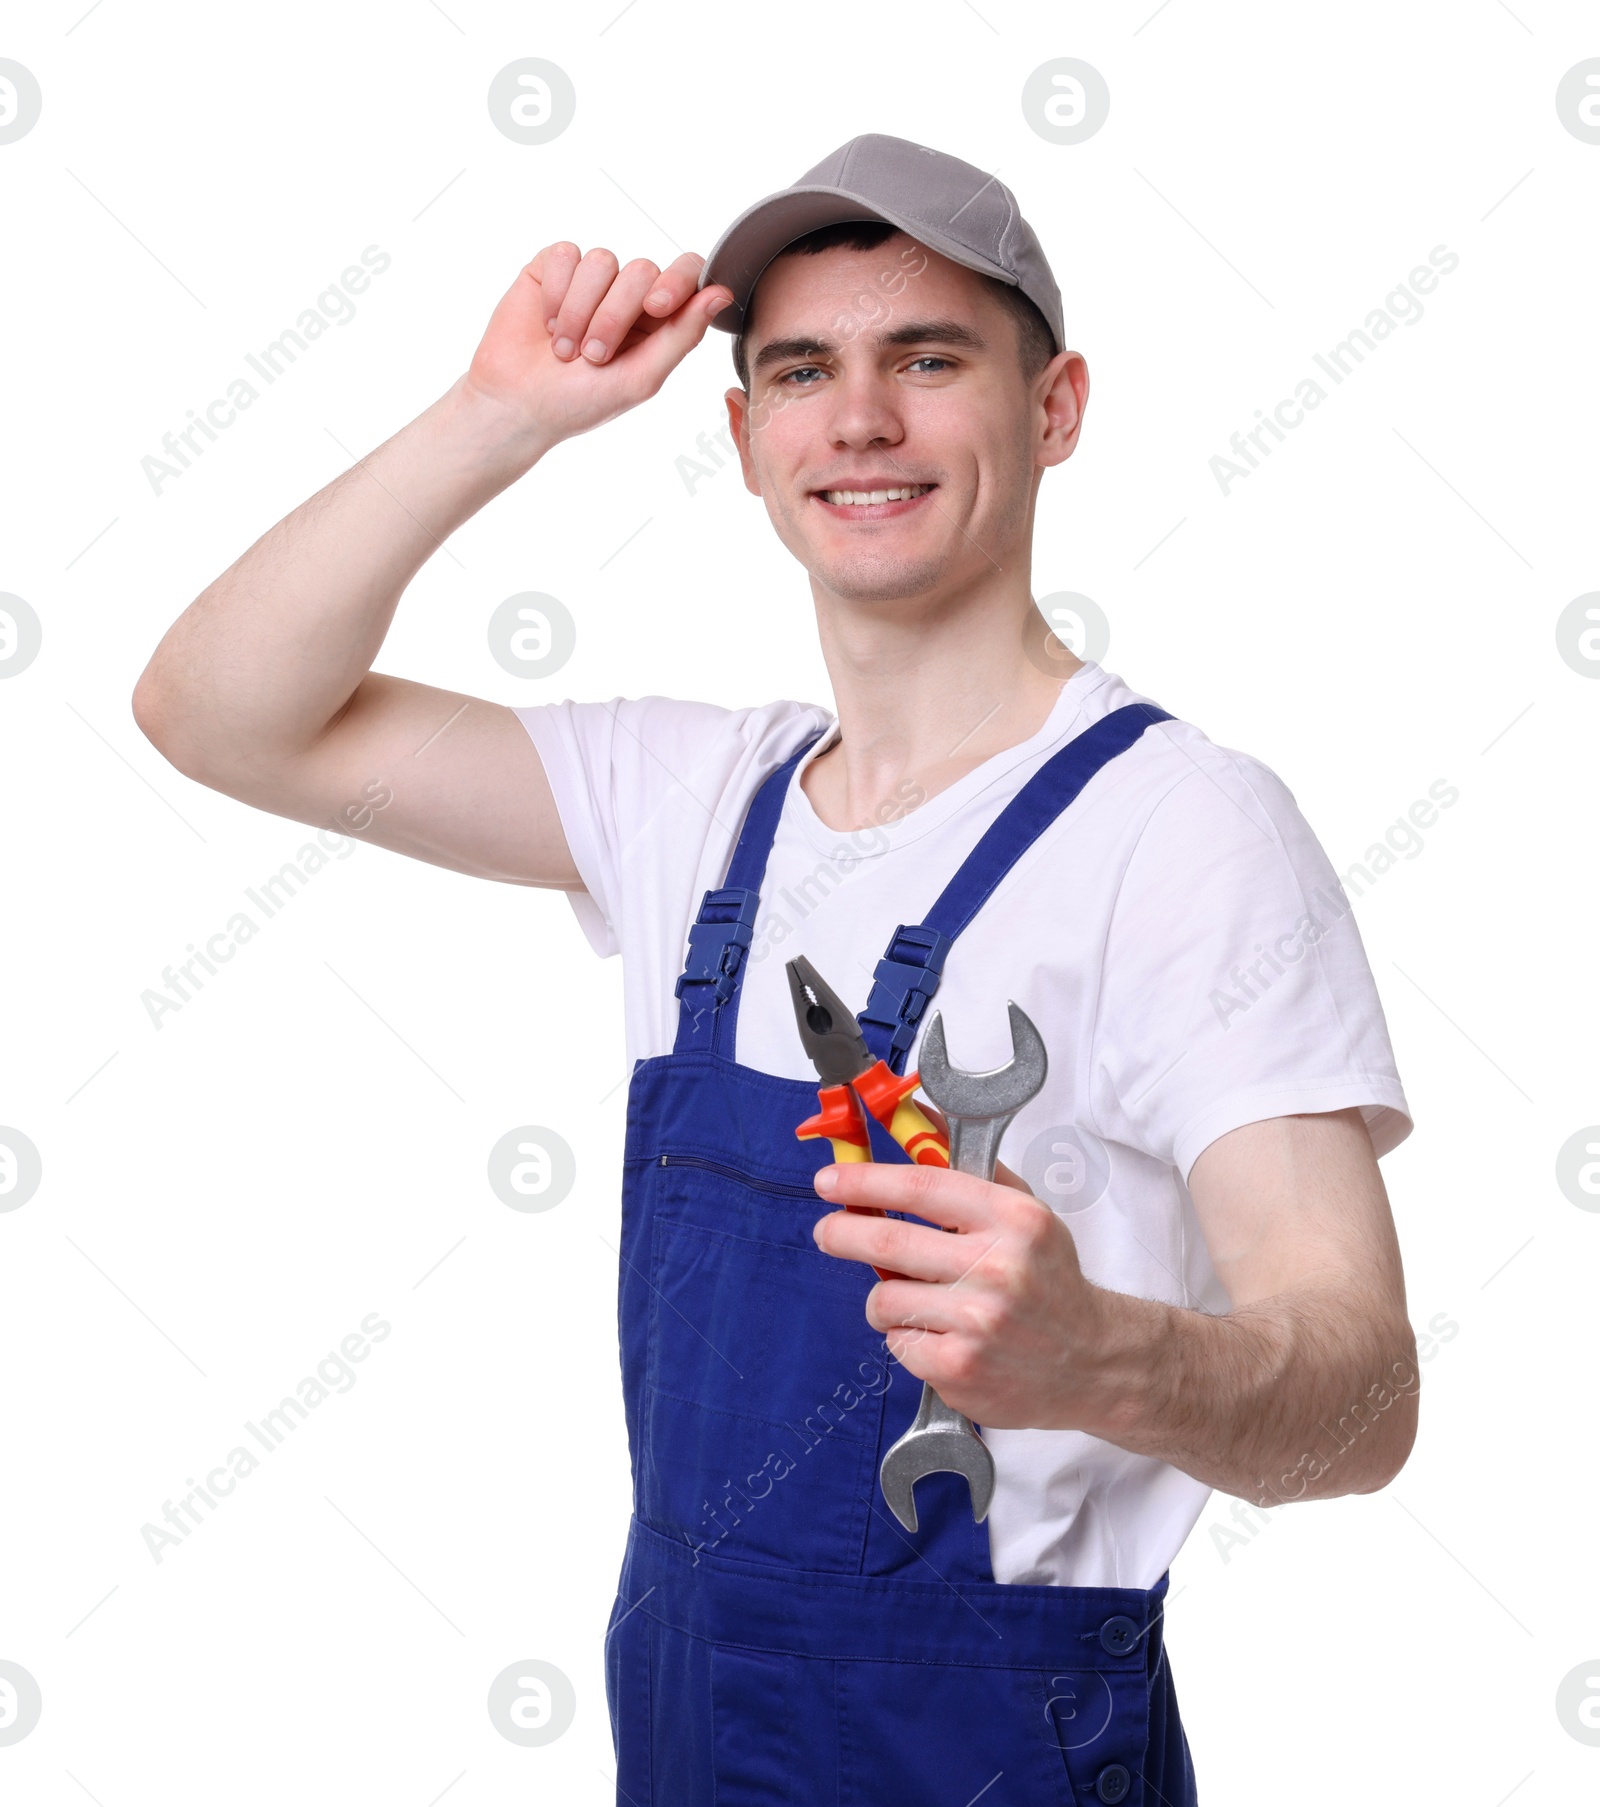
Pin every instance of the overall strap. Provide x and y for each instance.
(720, 936)
(908, 975)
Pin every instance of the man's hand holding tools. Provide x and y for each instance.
(997, 1316)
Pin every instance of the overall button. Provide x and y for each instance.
(1117, 1637)
(1113, 1783)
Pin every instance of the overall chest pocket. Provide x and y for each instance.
(763, 1380)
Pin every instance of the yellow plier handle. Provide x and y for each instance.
(888, 1097)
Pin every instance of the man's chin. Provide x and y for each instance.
(867, 581)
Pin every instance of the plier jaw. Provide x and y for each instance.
(844, 1063)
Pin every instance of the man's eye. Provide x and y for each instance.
(802, 371)
(928, 358)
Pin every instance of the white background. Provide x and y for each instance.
(225, 1198)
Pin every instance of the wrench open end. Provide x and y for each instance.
(1000, 1092)
(939, 1442)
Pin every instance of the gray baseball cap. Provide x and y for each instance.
(943, 203)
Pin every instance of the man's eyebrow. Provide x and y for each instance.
(913, 332)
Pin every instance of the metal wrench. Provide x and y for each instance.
(978, 1107)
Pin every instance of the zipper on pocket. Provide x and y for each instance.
(733, 1173)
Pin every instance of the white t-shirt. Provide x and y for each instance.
(1178, 935)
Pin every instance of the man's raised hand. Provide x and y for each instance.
(577, 341)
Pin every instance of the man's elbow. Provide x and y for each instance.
(1362, 1447)
(159, 714)
(1391, 1410)
(1388, 1457)
(1394, 1450)
(148, 711)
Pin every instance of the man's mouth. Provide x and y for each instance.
(873, 504)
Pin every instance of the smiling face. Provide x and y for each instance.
(889, 426)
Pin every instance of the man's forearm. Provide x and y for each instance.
(261, 662)
(1296, 1397)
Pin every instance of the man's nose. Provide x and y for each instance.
(864, 410)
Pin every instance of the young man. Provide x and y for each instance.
(1210, 1294)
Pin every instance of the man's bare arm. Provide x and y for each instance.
(1001, 1319)
(1307, 1389)
(263, 687)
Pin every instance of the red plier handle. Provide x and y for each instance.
(841, 1121)
(840, 1118)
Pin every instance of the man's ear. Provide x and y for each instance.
(739, 425)
(1063, 388)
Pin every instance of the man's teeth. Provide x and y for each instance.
(855, 498)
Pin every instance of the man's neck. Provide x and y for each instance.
(925, 697)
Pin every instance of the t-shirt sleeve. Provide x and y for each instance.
(645, 786)
(1235, 986)
(610, 766)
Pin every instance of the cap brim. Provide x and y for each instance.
(761, 232)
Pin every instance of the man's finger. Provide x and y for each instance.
(913, 1250)
(674, 286)
(619, 311)
(922, 1353)
(552, 270)
(593, 277)
(956, 1201)
(660, 351)
(910, 1306)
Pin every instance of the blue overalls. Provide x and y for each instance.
(778, 1636)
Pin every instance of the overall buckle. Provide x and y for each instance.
(904, 981)
(719, 939)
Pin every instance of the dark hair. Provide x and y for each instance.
(1035, 341)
